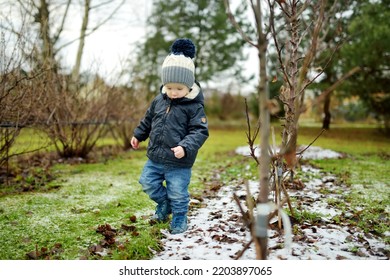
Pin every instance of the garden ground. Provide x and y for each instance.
(96, 209)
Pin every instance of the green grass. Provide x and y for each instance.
(351, 140)
(365, 168)
(369, 198)
(90, 195)
(108, 192)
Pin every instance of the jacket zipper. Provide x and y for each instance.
(169, 106)
(164, 122)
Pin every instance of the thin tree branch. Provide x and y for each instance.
(251, 139)
(246, 247)
(276, 42)
(236, 25)
(315, 139)
(314, 42)
(330, 89)
(61, 27)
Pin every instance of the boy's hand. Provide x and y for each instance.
(134, 143)
(178, 151)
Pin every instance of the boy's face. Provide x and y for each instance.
(175, 90)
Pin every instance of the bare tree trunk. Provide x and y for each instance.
(326, 96)
(327, 115)
(289, 140)
(83, 31)
(47, 48)
(259, 227)
(265, 160)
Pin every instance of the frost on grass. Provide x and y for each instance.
(216, 231)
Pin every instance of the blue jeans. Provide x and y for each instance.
(176, 190)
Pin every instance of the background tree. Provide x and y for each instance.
(337, 15)
(49, 19)
(85, 30)
(369, 48)
(218, 47)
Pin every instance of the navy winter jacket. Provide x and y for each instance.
(174, 122)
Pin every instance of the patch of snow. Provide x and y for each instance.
(312, 152)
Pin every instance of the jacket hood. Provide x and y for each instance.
(195, 95)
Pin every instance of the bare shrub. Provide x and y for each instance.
(125, 114)
(73, 118)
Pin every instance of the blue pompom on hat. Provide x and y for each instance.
(178, 66)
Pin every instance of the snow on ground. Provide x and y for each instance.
(313, 152)
(216, 231)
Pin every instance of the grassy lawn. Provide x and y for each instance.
(62, 222)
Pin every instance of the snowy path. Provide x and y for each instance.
(217, 233)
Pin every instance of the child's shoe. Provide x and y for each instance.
(163, 210)
(179, 223)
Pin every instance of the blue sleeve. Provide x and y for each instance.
(142, 131)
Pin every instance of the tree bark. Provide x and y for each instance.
(327, 116)
(80, 50)
(326, 96)
(263, 92)
(47, 47)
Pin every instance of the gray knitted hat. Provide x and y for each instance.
(178, 66)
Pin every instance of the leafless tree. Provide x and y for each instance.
(297, 40)
(51, 19)
(86, 31)
(304, 28)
